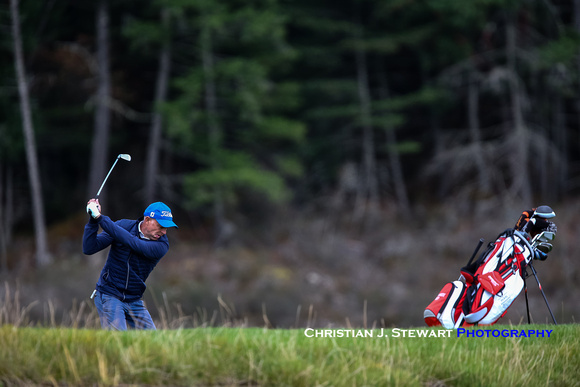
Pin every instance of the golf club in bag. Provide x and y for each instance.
(487, 287)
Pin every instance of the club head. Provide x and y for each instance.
(545, 212)
(547, 236)
(545, 247)
(544, 236)
(124, 156)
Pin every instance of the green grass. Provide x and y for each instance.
(254, 356)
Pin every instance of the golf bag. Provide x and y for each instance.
(486, 288)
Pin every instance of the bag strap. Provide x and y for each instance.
(524, 240)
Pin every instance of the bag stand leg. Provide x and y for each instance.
(540, 286)
(526, 294)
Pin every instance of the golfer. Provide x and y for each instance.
(136, 247)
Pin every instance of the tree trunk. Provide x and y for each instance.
(370, 192)
(519, 160)
(6, 214)
(577, 27)
(475, 133)
(153, 151)
(100, 145)
(215, 133)
(554, 191)
(42, 254)
(397, 172)
(3, 241)
(394, 158)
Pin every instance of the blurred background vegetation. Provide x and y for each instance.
(327, 163)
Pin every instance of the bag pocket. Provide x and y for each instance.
(492, 282)
(443, 309)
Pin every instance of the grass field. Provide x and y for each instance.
(274, 357)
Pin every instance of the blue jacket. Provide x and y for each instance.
(131, 258)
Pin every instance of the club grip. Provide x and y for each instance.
(475, 251)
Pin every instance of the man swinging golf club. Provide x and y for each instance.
(136, 247)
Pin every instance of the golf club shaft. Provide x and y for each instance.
(106, 177)
(525, 228)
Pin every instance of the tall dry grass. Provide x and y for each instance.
(83, 314)
(13, 312)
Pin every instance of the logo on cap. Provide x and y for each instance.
(164, 214)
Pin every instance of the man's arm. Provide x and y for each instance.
(93, 242)
(149, 249)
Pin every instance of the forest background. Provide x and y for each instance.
(326, 162)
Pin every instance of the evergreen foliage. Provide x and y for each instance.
(275, 98)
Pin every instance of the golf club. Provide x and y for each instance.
(544, 212)
(542, 241)
(123, 156)
(475, 251)
(543, 237)
(545, 247)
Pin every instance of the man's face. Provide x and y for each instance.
(151, 229)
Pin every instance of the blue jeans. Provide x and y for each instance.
(118, 315)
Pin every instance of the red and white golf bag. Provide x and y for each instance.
(486, 288)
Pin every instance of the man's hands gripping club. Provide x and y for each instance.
(94, 208)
